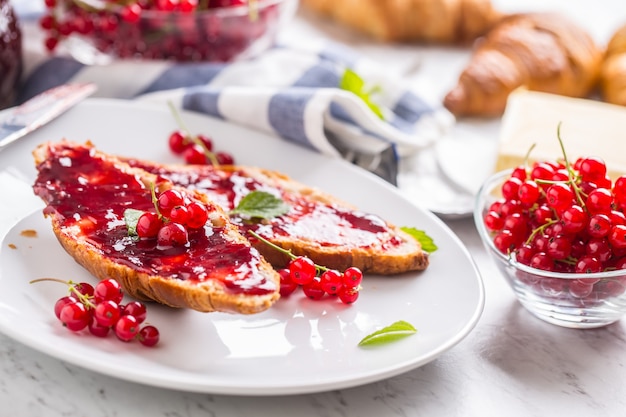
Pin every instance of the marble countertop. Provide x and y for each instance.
(511, 364)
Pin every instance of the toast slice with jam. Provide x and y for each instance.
(318, 225)
(87, 193)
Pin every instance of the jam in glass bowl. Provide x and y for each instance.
(99, 31)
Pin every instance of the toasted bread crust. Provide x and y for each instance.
(207, 295)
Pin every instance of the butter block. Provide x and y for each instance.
(588, 128)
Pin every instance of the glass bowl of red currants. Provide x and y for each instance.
(557, 232)
(99, 31)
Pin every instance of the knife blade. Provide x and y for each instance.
(41, 109)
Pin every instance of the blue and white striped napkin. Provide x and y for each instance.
(291, 92)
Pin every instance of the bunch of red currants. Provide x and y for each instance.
(174, 214)
(99, 309)
(562, 218)
(317, 281)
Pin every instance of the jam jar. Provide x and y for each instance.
(10, 54)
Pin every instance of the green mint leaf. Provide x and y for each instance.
(398, 330)
(426, 241)
(131, 217)
(261, 204)
(351, 81)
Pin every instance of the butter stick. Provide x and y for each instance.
(588, 128)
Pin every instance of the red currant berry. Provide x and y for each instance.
(352, 277)
(195, 155)
(617, 236)
(599, 201)
(302, 270)
(148, 225)
(313, 290)
(178, 142)
(126, 328)
(493, 221)
(198, 215)
(599, 225)
(541, 260)
(504, 241)
(131, 13)
(84, 288)
(107, 313)
(62, 302)
(206, 141)
(519, 172)
(287, 286)
(528, 193)
(108, 289)
(332, 281)
(588, 265)
(179, 214)
(580, 289)
(97, 329)
(510, 188)
(172, 235)
(169, 199)
(592, 169)
(224, 158)
(559, 247)
(599, 249)
(574, 219)
(75, 316)
(559, 196)
(149, 336)
(136, 309)
(348, 295)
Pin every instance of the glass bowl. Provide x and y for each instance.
(566, 299)
(222, 34)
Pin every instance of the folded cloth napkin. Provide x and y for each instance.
(291, 92)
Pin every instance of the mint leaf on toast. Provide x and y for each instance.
(261, 204)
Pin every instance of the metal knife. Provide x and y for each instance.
(39, 110)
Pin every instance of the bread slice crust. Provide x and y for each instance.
(72, 196)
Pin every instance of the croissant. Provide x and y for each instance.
(613, 71)
(539, 51)
(436, 21)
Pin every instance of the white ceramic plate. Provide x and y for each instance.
(298, 345)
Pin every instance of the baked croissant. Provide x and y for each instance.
(437, 21)
(539, 51)
(613, 72)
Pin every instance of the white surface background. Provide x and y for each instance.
(511, 365)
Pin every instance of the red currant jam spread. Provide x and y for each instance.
(309, 220)
(85, 191)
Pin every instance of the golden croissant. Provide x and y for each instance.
(437, 21)
(539, 51)
(613, 72)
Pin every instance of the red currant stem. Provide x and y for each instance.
(540, 229)
(568, 167)
(527, 156)
(191, 137)
(287, 252)
(86, 300)
(155, 201)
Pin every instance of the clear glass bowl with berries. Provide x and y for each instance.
(98, 31)
(557, 232)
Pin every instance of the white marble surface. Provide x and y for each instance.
(511, 365)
